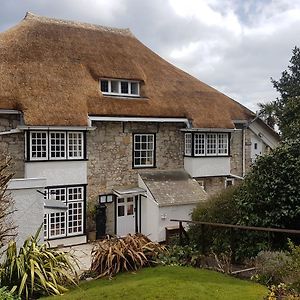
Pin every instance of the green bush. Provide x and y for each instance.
(36, 270)
(181, 256)
(6, 294)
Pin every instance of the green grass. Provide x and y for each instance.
(168, 283)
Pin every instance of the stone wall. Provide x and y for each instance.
(12, 145)
(109, 149)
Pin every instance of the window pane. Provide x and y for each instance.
(134, 88)
(114, 86)
(211, 143)
(124, 87)
(57, 145)
(199, 143)
(223, 143)
(104, 86)
(38, 145)
(75, 145)
(188, 144)
(121, 211)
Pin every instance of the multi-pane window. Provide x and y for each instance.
(70, 222)
(206, 144)
(55, 145)
(38, 145)
(75, 145)
(143, 150)
(188, 143)
(199, 143)
(58, 145)
(120, 87)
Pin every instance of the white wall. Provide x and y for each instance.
(149, 214)
(181, 212)
(58, 172)
(207, 166)
(29, 206)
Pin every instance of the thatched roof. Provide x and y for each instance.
(50, 70)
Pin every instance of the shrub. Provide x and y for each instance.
(113, 255)
(35, 270)
(6, 294)
(181, 256)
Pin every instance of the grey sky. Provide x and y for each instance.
(232, 45)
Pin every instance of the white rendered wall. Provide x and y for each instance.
(181, 212)
(29, 206)
(58, 172)
(207, 166)
(149, 214)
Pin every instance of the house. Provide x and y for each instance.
(91, 115)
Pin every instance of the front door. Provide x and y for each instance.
(125, 216)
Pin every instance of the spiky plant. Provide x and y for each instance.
(36, 270)
(113, 255)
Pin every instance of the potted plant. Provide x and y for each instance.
(91, 221)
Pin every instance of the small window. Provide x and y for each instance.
(120, 87)
(211, 139)
(229, 182)
(75, 145)
(199, 140)
(106, 198)
(143, 150)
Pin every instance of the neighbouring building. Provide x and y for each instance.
(91, 115)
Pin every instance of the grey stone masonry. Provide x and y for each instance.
(12, 145)
(109, 149)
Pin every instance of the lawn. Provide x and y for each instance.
(167, 283)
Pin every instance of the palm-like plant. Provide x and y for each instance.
(36, 270)
(267, 111)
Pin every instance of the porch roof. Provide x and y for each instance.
(173, 187)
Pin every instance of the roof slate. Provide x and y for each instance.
(173, 187)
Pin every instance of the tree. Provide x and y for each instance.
(286, 109)
(268, 113)
(7, 228)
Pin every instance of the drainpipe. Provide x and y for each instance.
(244, 151)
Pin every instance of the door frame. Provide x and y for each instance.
(137, 211)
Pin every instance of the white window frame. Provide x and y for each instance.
(31, 145)
(143, 150)
(119, 93)
(229, 180)
(204, 144)
(64, 157)
(80, 137)
(188, 144)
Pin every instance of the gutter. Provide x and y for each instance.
(12, 131)
(74, 128)
(140, 119)
(10, 112)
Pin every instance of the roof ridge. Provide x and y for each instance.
(122, 31)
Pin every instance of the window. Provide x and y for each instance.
(199, 142)
(143, 150)
(229, 182)
(55, 145)
(58, 145)
(188, 143)
(75, 145)
(206, 144)
(120, 87)
(69, 223)
(106, 198)
(38, 145)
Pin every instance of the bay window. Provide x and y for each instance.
(206, 144)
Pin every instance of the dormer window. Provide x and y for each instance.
(124, 88)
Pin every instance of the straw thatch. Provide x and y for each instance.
(50, 70)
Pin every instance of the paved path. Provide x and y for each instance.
(83, 255)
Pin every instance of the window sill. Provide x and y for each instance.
(56, 160)
(146, 167)
(207, 156)
(124, 97)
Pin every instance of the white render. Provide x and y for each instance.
(207, 166)
(28, 205)
(155, 218)
(58, 172)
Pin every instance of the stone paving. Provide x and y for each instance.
(83, 255)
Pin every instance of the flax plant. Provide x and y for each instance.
(113, 255)
(36, 270)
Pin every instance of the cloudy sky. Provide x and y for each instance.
(232, 45)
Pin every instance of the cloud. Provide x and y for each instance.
(232, 45)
